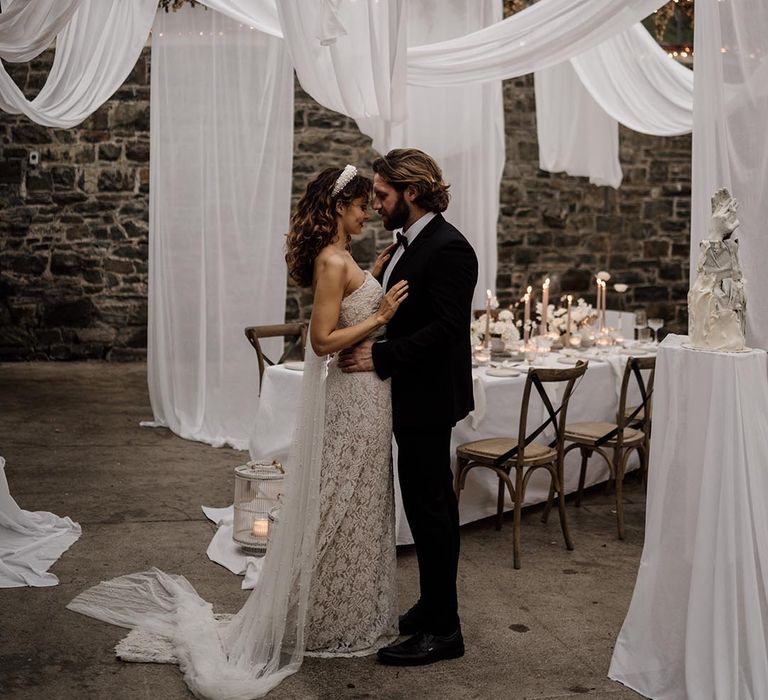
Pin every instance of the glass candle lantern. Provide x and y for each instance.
(258, 494)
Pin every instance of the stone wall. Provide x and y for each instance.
(73, 230)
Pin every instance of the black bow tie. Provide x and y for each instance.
(402, 239)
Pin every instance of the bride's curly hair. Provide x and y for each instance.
(313, 224)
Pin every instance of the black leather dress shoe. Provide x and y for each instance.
(423, 648)
(411, 622)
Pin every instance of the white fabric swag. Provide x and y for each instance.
(95, 51)
(638, 84)
(349, 56)
(362, 72)
(221, 144)
(628, 79)
(542, 35)
(730, 141)
(28, 27)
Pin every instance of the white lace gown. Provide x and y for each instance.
(328, 582)
(353, 599)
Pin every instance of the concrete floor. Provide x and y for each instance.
(71, 437)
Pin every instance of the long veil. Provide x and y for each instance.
(247, 655)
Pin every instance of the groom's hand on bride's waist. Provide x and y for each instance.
(358, 358)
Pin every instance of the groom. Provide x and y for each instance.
(427, 354)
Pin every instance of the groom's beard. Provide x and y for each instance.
(398, 216)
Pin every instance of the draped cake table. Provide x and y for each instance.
(697, 626)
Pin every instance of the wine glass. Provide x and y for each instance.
(655, 324)
(641, 321)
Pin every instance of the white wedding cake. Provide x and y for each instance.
(716, 302)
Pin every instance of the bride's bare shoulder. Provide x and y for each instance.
(332, 266)
(330, 260)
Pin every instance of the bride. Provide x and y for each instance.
(327, 586)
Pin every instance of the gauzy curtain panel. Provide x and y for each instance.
(256, 14)
(462, 128)
(730, 140)
(221, 145)
(575, 134)
(95, 52)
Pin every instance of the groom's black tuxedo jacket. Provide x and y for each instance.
(427, 351)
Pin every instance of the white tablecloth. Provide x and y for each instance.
(595, 399)
(697, 626)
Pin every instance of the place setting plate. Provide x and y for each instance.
(507, 368)
(502, 372)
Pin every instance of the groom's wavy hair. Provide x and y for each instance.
(410, 167)
(313, 224)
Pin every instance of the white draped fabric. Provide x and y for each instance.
(540, 36)
(462, 127)
(730, 140)
(361, 73)
(221, 144)
(637, 83)
(27, 27)
(350, 57)
(627, 79)
(575, 134)
(30, 542)
(697, 626)
(95, 52)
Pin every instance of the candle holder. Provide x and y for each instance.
(482, 354)
(258, 493)
(530, 352)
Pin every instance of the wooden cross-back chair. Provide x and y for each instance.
(296, 333)
(524, 453)
(631, 431)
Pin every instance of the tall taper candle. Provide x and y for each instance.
(487, 339)
(544, 306)
(599, 304)
(602, 316)
(568, 323)
(527, 317)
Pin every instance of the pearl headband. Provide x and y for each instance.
(347, 175)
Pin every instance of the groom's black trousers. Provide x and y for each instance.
(426, 484)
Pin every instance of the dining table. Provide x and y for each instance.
(498, 390)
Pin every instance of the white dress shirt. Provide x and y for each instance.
(414, 230)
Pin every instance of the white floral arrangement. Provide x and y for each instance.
(581, 313)
(503, 326)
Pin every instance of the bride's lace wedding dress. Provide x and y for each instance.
(328, 582)
(353, 599)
